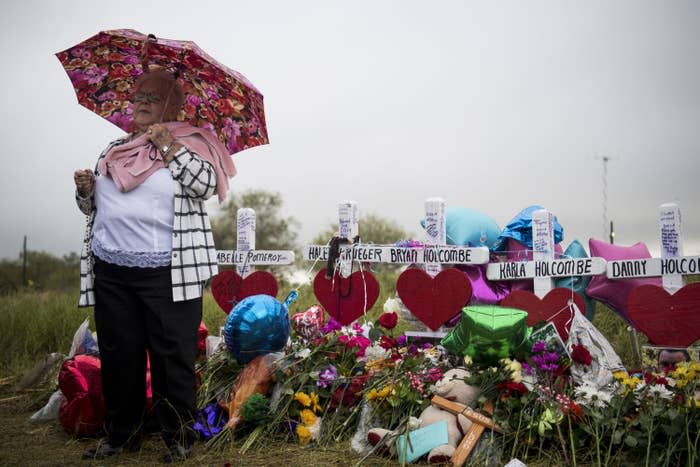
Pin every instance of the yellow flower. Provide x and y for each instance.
(302, 398)
(372, 394)
(467, 360)
(620, 375)
(314, 402)
(307, 417)
(384, 392)
(303, 433)
(631, 383)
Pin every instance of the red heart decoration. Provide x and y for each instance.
(434, 300)
(554, 307)
(667, 320)
(344, 298)
(229, 288)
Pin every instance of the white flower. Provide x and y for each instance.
(391, 304)
(591, 396)
(514, 367)
(376, 352)
(303, 353)
(660, 391)
(414, 423)
(315, 429)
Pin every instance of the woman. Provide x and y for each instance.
(148, 250)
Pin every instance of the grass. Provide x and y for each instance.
(36, 324)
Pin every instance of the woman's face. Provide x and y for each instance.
(149, 102)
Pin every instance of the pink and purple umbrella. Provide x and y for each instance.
(104, 68)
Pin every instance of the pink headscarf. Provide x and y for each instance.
(131, 163)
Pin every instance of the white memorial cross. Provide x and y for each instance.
(348, 227)
(245, 256)
(544, 268)
(434, 255)
(672, 265)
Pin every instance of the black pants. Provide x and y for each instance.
(135, 313)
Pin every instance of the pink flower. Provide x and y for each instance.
(434, 374)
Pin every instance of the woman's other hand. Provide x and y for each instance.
(84, 181)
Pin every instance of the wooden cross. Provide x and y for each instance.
(245, 256)
(672, 265)
(368, 253)
(544, 268)
(479, 421)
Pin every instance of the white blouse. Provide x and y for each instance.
(135, 228)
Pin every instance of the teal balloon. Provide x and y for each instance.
(487, 333)
(469, 227)
(577, 283)
(257, 325)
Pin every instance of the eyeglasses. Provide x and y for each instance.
(151, 97)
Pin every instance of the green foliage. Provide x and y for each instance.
(273, 232)
(36, 324)
(373, 229)
(44, 272)
(256, 410)
(616, 331)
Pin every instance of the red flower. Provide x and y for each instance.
(573, 409)
(387, 343)
(510, 388)
(580, 354)
(388, 320)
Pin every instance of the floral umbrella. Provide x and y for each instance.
(104, 68)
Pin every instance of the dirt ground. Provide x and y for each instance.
(24, 443)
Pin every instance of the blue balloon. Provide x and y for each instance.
(520, 228)
(469, 227)
(257, 325)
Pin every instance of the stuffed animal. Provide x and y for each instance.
(453, 388)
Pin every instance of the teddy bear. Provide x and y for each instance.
(452, 387)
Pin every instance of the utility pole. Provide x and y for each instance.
(609, 233)
(24, 263)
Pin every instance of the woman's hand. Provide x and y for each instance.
(84, 181)
(162, 139)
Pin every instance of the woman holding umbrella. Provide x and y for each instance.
(148, 250)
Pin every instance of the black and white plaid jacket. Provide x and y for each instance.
(193, 258)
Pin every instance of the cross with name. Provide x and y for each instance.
(672, 265)
(245, 256)
(544, 268)
(432, 255)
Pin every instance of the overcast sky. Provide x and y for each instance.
(490, 105)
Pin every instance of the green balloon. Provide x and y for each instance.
(487, 333)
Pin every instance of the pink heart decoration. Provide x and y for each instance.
(344, 298)
(554, 307)
(229, 288)
(434, 300)
(667, 320)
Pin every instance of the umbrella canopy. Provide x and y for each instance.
(104, 68)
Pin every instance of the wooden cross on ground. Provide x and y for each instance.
(479, 421)
(544, 268)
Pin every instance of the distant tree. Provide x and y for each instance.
(273, 231)
(373, 229)
(44, 272)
